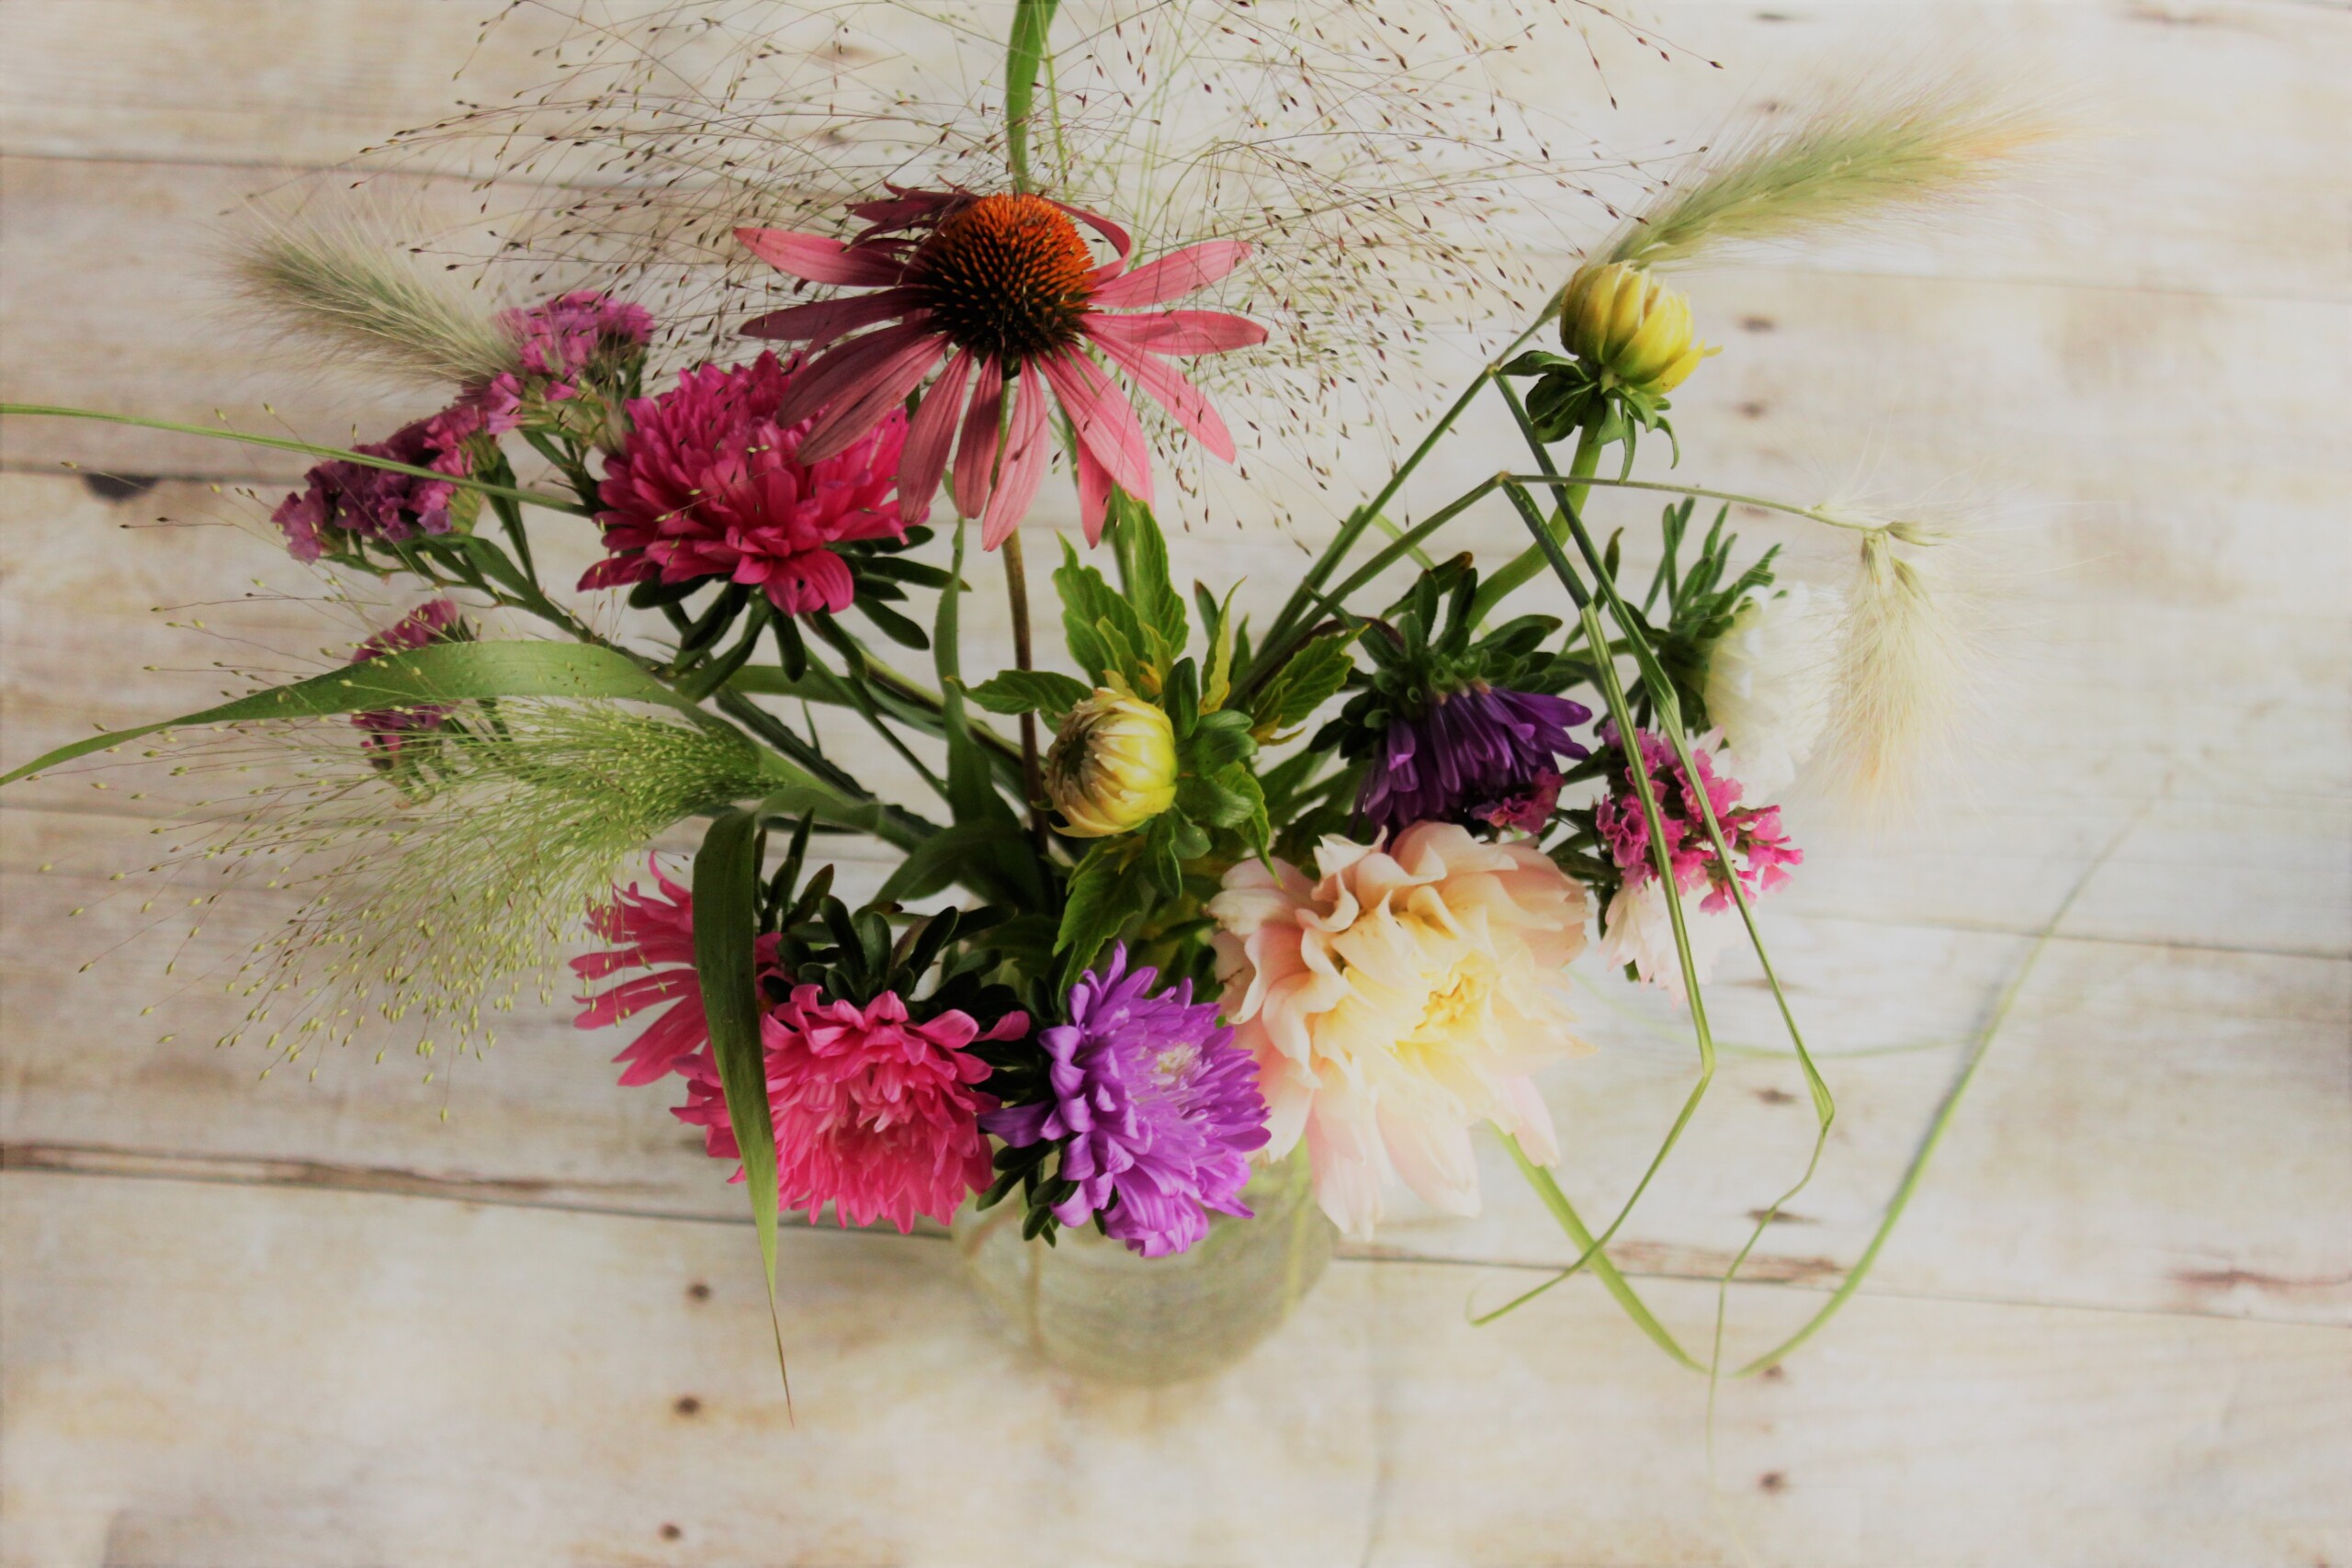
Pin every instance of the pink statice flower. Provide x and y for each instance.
(1007, 294)
(875, 1113)
(356, 500)
(564, 338)
(714, 481)
(435, 620)
(1754, 835)
(653, 930)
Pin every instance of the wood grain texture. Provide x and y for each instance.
(311, 1322)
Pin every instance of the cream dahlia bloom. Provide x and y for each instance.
(1402, 995)
(1769, 679)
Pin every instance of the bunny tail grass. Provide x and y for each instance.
(342, 287)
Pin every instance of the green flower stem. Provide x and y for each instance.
(1025, 56)
(1786, 508)
(1614, 1282)
(1529, 561)
(528, 497)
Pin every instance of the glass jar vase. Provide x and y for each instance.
(1090, 1306)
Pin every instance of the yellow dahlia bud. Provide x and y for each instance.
(1622, 320)
(1112, 767)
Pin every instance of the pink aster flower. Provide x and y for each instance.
(653, 931)
(876, 1114)
(717, 480)
(435, 620)
(1006, 292)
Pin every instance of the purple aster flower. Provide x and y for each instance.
(1478, 755)
(1158, 1110)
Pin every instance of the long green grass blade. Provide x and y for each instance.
(1565, 1213)
(727, 918)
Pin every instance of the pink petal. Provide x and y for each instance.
(846, 370)
(821, 260)
(1025, 467)
(1094, 494)
(820, 322)
(928, 434)
(1178, 332)
(860, 408)
(1173, 276)
(903, 207)
(1104, 420)
(976, 458)
(1178, 396)
(1120, 240)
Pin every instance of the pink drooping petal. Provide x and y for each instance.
(1172, 275)
(863, 406)
(820, 322)
(903, 207)
(1178, 396)
(1026, 449)
(976, 457)
(1178, 332)
(845, 370)
(821, 260)
(929, 435)
(1119, 239)
(1094, 494)
(1104, 420)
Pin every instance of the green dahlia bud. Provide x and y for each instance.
(1620, 319)
(1112, 767)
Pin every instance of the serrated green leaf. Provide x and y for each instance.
(1143, 561)
(1314, 674)
(1031, 691)
(1102, 896)
(1089, 606)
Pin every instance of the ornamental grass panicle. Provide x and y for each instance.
(1480, 755)
(875, 1113)
(715, 480)
(654, 931)
(1157, 1110)
(1112, 767)
(1399, 998)
(1007, 293)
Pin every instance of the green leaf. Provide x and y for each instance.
(1143, 561)
(1089, 606)
(892, 624)
(1237, 781)
(1315, 673)
(1102, 896)
(971, 789)
(451, 671)
(1031, 691)
(1220, 738)
(726, 928)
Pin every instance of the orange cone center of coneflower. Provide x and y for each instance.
(1006, 278)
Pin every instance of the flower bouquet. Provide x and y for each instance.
(1203, 915)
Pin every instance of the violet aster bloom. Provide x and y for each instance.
(1159, 1109)
(1478, 755)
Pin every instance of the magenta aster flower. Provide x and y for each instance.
(1157, 1109)
(715, 482)
(1753, 833)
(435, 620)
(1480, 754)
(994, 287)
(653, 931)
(875, 1113)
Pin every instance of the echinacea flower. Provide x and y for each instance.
(654, 931)
(1155, 1108)
(435, 620)
(1480, 754)
(1619, 319)
(715, 480)
(1402, 995)
(1112, 766)
(1769, 681)
(875, 1113)
(1005, 291)
(348, 498)
(1637, 928)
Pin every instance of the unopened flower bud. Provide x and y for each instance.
(1112, 767)
(1621, 319)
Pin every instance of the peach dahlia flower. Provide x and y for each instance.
(1399, 998)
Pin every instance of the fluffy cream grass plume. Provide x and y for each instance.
(1874, 156)
(426, 900)
(1903, 673)
(344, 287)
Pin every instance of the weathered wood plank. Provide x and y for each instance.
(449, 1384)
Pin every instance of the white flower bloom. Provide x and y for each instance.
(1638, 930)
(1769, 681)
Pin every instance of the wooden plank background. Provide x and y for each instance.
(312, 1322)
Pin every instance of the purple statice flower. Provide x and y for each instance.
(377, 504)
(1157, 1109)
(435, 620)
(1478, 755)
(1754, 834)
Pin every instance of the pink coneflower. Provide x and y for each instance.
(994, 286)
(875, 1115)
(716, 479)
(653, 931)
